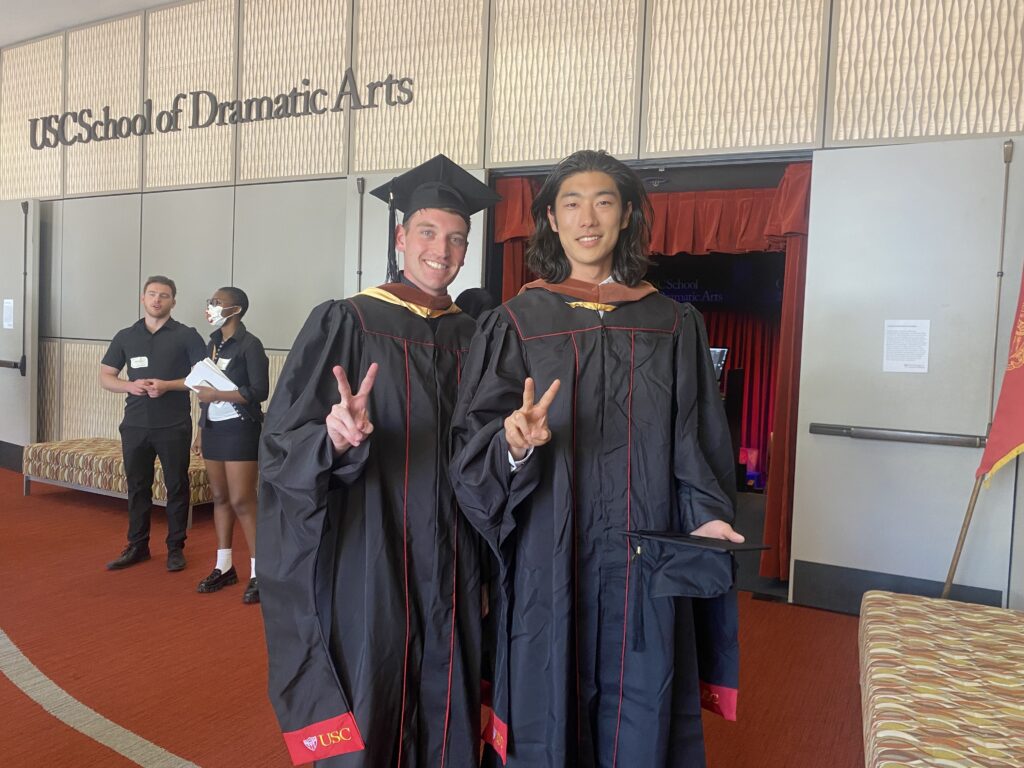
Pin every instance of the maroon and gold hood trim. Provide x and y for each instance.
(588, 294)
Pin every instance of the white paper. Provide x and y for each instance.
(205, 373)
(8, 313)
(906, 346)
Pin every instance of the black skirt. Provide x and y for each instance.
(231, 440)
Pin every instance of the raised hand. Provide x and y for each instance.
(348, 423)
(527, 427)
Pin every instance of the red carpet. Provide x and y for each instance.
(140, 646)
(188, 671)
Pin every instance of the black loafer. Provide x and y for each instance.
(175, 560)
(132, 554)
(217, 580)
(252, 592)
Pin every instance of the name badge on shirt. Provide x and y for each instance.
(139, 362)
(222, 363)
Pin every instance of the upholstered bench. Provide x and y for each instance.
(942, 683)
(95, 464)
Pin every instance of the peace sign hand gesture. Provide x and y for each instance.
(348, 423)
(528, 427)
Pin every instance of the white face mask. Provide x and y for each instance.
(215, 315)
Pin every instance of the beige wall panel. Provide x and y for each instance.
(273, 61)
(733, 75)
(276, 366)
(105, 69)
(48, 412)
(190, 47)
(87, 410)
(563, 77)
(441, 46)
(31, 85)
(908, 69)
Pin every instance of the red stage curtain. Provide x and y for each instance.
(721, 221)
(787, 223)
(513, 224)
(753, 343)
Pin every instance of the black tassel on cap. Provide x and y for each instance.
(393, 276)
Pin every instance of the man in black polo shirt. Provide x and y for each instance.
(159, 352)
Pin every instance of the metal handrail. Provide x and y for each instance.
(899, 435)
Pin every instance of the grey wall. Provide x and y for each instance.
(100, 266)
(51, 228)
(289, 253)
(186, 236)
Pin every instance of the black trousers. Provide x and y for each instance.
(140, 446)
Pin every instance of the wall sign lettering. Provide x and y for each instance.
(206, 110)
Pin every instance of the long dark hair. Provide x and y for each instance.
(544, 254)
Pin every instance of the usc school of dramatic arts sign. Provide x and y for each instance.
(85, 126)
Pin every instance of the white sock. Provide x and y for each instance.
(223, 560)
(252, 567)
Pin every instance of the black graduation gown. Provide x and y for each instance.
(596, 659)
(369, 581)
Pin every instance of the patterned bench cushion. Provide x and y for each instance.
(942, 683)
(96, 463)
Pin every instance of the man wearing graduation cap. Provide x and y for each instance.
(369, 582)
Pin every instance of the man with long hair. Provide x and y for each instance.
(596, 637)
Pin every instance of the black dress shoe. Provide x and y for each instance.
(252, 592)
(175, 559)
(132, 554)
(217, 580)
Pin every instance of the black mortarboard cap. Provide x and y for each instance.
(437, 183)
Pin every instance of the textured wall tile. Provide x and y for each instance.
(441, 46)
(563, 77)
(272, 63)
(190, 48)
(48, 402)
(105, 69)
(32, 86)
(87, 410)
(276, 366)
(733, 74)
(920, 68)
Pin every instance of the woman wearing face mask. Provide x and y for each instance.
(229, 433)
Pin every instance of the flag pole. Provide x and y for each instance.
(963, 536)
(1007, 159)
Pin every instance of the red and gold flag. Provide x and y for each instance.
(1006, 437)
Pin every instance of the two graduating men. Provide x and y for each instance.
(369, 572)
